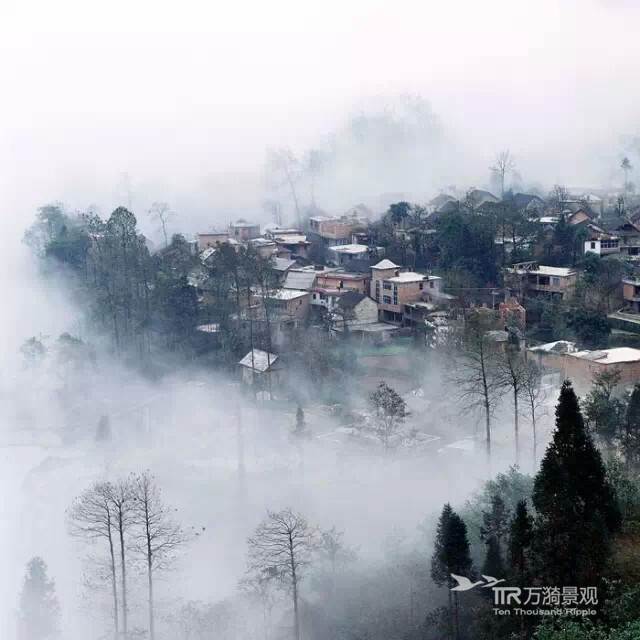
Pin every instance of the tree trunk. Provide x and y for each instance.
(450, 634)
(515, 423)
(152, 631)
(114, 588)
(149, 567)
(487, 416)
(123, 576)
(457, 620)
(533, 424)
(294, 584)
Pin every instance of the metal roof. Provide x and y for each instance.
(259, 361)
(300, 280)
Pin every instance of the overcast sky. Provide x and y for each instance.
(186, 95)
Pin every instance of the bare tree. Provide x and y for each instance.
(122, 506)
(475, 373)
(282, 169)
(535, 397)
(503, 165)
(389, 412)
(511, 372)
(281, 549)
(162, 213)
(159, 536)
(92, 518)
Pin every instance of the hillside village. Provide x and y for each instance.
(381, 278)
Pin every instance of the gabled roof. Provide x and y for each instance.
(385, 264)
(260, 360)
(300, 280)
(440, 199)
(351, 299)
(523, 200)
(574, 207)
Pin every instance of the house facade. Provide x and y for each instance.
(260, 368)
(531, 280)
(211, 239)
(392, 288)
(631, 293)
(289, 302)
(330, 231)
(244, 231)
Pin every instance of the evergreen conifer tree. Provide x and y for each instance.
(575, 504)
(39, 609)
(520, 542)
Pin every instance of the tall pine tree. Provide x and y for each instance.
(576, 507)
(520, 542)
(39, 609)
(451, 555)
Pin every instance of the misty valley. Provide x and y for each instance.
(321, 321)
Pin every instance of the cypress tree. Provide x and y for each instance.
(493, 565)
(439, 570)
(451, 555)
(39, 609)
(576, 507)
(520, 542)
(458, 556)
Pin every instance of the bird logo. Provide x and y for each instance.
(464, 584)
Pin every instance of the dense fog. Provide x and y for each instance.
(126, 105)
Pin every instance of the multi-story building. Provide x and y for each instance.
(531, 280)
(330, 231)
(392, 288)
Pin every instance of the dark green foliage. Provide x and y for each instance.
(451, 548)
(39, 608)
(604, 413)
(576, 507)
(467, 242)
(591, 328)
(439, 569)
(493, 564)
(520, 541)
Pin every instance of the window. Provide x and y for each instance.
(237, 232)
(395, 294)
(315, 296)
(386, 299)
(378, 290)
(387, 286)
(430, 284)
(421, 286)
(593, 245)
(341, 284)
(555, 282)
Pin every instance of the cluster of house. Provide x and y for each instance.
(356, 290)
